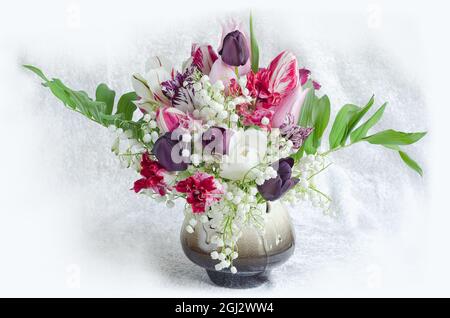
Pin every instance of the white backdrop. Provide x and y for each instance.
(70, 226)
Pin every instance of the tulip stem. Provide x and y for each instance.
(236, 70)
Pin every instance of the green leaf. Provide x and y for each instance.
(362, 130)
(358, 116)
(106, 95)
(406, 159)
(308, 145)
(341, 123)
(126, 106)
(305, 117)
(97, 110)
(36, 71)
(411, 163)
(320, 118)
(254, 48)
(393, 137)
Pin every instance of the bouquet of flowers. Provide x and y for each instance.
(226, 135)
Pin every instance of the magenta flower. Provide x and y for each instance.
(201, 190)
(269, 86)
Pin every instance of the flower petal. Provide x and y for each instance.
(283, 73)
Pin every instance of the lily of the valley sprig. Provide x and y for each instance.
(226, 135)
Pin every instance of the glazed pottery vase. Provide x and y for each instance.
(259, 251)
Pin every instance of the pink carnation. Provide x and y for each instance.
(152, 176)
(201, 190)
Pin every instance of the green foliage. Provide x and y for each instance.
(311, 100)
(125, 106)
(393, 137)
(346, 120)
(106, 95)
(99, 110)
(254, 48)
(410, 162)
(362, 130)
(315, 113)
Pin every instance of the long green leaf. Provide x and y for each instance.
(320, 117)
(254, 48)
(340, 125)
(37, 71)
(406, 159)
(305, 117)
(359, 115)
(393, 137)
(410, 162)
(362, 130)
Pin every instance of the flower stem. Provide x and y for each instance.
(321, 193)
(316, 173)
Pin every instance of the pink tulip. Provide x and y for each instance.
(222, 71)
(284, 75)
(203, 56)
(291, 104)
(169, 118)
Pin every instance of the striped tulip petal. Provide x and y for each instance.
(203, 56)
(283, 74)
(169, 118)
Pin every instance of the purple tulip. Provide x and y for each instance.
(167, 149)
(234, 50)
(216, 140)
(274, 188)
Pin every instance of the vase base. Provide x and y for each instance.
(227, 279)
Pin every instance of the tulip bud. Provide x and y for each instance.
(234, 50)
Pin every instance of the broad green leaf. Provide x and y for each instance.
(341, 123)
(393, 137)
(106, 95)
(254, 48)
(410, 162)
(320, 117)
(362, 130)
(305, 117)
(126, 106)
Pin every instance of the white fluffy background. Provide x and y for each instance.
(71, 227)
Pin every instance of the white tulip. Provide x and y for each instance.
(247, 149)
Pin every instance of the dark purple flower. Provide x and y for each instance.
(216, 140)
(167, 149)
(234, 50)
(274, 188)
(179, 90)
(293, 132)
